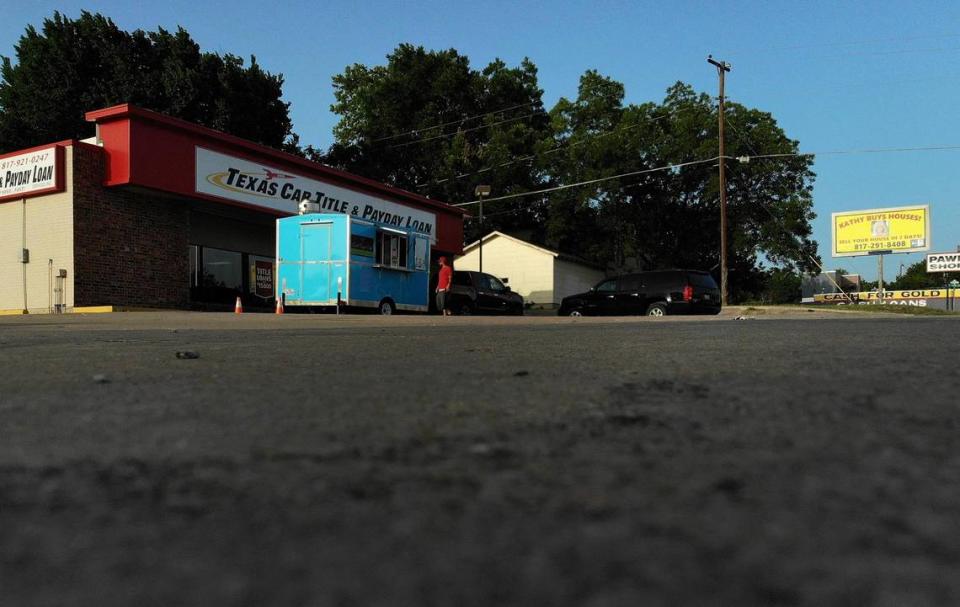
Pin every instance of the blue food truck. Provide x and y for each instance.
(331, 259)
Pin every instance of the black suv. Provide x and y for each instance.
(479, 293)
(651, 293)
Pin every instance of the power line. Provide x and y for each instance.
(510, 212)
(831, 86)
(841, 44)
(715, 158)
(591, 181)
(930, 148)
(558, 148)
(755, 156)
(458, 131)
(565, 146)
(902, 51)
(443, 124)
(886, 83)
(783, 228)
(776, 219)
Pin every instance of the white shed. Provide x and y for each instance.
(543, 277)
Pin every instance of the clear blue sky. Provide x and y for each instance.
(836, 75)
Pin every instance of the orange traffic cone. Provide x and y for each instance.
(238, 309)
(279, 305)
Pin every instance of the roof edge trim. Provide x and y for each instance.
(127, 111)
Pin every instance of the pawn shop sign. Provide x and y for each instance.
(943, 262)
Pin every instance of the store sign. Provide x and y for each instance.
(31, 173)
(256, 184)
(916, 297)
(943, 262)
(263, 279)
(894, 230)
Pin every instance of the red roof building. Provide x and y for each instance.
(158, 212)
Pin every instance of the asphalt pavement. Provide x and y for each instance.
(212, 459)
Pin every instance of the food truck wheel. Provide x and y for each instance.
(386, 307)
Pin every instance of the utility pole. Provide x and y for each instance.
(722, 68)
(481, 192)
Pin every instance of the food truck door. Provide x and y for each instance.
(316, 248)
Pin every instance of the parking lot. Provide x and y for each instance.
(788, 459)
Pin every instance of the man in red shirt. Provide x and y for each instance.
(443, 287)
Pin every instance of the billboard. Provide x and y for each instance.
(893, 230)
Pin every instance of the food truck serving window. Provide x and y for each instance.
(392, 249)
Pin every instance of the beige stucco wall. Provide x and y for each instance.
(571, 278)
(530, 270)
(49, 235)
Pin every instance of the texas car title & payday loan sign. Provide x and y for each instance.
(256, 184)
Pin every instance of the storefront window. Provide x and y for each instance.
(218, 276)
(194, 266)
(222, 269)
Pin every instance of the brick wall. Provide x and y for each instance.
(130, 246)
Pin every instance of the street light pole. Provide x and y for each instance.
(722, 68)
(481, 192)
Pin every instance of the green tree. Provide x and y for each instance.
(428, 122)
(916, 277)
(782, 287)
(670, 218)
(76, 65)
